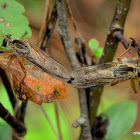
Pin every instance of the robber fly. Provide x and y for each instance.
(21, 49)
(112, 72)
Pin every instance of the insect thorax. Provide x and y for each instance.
(125, 71)
(20, 47)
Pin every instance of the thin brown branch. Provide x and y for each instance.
(50, 122)
(49, 29)
(64, 34)
(57, 118)
(110, 47)
(20, 113)
(19, 127)
(79, 122)
(8, 87)
(16, 134)
(68, 46)
(80, 42)
(43, 25)
(119, 36)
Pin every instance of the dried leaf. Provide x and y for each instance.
(38, 86)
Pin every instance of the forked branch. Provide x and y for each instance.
(65, 38)
(110, 48)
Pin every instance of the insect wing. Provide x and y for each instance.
(43, 61)
(88, 69)
(85, 77)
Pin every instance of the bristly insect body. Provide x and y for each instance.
(17, 46)
(113, 72)
(23, 49)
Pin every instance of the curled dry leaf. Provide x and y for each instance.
(38, 86)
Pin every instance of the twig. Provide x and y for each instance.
(8, 87)
(48, 119)
(57, 118)
(81, 45)
(43, 25)
(18, 126)
(117, 24)
(64, 34)
(20, 114)
(49, 29)
(119, 36)
(68, 46)
(79, 122)
(16, 134)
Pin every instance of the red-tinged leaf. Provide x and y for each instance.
(38, 86)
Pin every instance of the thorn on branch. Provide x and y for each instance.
(115, 31)
(127, 44)
(119, 36)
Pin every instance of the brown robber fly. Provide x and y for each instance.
(23, 50)
(112, 72)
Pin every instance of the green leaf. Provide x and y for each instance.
(98, 52)
(4, 48)
(35, 117)
(121, 118)
(4, 130)
(104, 105)
(12, 20)
(93, 44)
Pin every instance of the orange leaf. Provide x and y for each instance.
(38, 86)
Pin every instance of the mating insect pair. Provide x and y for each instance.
(84, 77)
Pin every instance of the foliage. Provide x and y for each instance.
(121, 118)
(36, 118)
(12, 19)
(94, 47)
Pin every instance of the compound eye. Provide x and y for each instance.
(9, 36)
(19, 47)
(4, 42)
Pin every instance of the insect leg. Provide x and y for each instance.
(119, 59)
(10, 61)
(3, 35)
(113, 84)
(4, 54)
(25, 73)
(24, 34)
(124, 53)
(133, 85)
